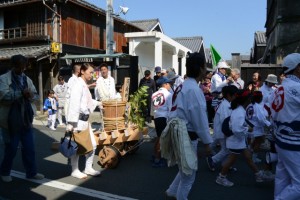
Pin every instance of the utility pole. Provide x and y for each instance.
(109, 28)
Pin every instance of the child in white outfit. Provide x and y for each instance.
(257, 115)
(223, 111)
(50, 105)
(236, 143)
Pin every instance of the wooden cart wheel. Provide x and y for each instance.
(109, 157)
(130, 147)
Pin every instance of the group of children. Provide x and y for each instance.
(248, 120)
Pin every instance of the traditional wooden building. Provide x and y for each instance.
(259, 47)
(45, 30)
(282, 30)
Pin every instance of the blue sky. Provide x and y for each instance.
(229, 25)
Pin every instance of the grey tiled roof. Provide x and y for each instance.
(208, 55)
(192, 43)
(260, 38)
(145, 25)
(4, 3)
(28, 51)
(245, 57)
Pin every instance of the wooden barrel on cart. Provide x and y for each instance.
(114, 115)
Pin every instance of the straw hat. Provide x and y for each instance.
(271, 79)
(222, 64)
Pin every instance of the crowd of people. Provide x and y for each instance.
(252, 111)
(243, 118)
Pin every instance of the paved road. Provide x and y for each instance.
(134, 178)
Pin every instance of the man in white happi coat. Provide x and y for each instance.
(105, 86)
(188, 104)
(60, 91)
(219, 80)
(285, 113)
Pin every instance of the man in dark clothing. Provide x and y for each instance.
(148, 81)
(157, 71)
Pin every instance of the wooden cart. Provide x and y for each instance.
(117, 138)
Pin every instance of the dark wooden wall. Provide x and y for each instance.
(247, 72)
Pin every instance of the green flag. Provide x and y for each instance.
(215, 56)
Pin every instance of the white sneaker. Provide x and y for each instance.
(268, 175)
(224, 181)
(6, 179)
(169, 195)
(259, 177)
(53, 129)
(78, 174)
(92, 172)
(38, 176)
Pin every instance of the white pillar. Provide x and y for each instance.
(175, 59)
(158, 53)
(183, 65)
(133, 44)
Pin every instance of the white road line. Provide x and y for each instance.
(71, 188)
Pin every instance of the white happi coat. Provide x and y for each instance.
(80, 102)
(162, 103)
(216, 83)
(285, 109)
(223, 111)
(61, 92)
(105, 89)
(189, 105)
(266, 92)
(239, 128)
(257, 115)
(71, 82)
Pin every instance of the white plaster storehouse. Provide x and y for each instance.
(156, 49)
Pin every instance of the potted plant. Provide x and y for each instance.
(137, 105)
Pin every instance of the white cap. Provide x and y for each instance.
(222, 64)
(291, 61)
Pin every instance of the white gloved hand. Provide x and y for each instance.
(100, 105)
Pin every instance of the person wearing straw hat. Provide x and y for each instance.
(218, 81)
(267, 89)
(285, 113)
